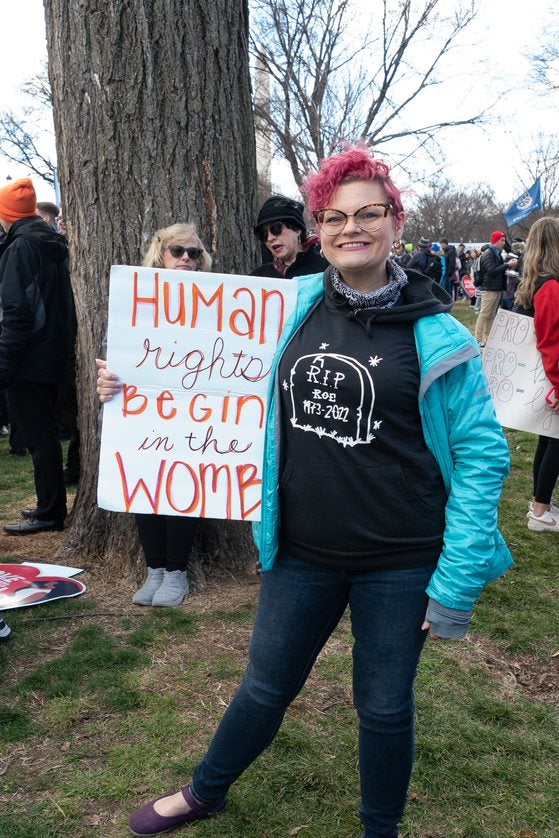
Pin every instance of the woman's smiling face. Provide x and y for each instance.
(359, 256)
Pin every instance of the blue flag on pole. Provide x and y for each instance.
(528, 202)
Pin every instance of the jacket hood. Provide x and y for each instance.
(421, 297)
(541, 280)
(38, 231)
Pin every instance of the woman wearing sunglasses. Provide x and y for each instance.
(179, 248)
(384, 465)
(281, 228)
(166, 540)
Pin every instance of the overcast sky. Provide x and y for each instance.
(504, 34)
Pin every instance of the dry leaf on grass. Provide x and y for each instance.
(94, 820)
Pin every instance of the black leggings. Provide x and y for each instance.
(166, 539)
(546, 468)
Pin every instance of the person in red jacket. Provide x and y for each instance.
(538, 295)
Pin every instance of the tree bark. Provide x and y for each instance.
(153, 124)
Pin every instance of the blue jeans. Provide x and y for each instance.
(448, 286)
(300, 606)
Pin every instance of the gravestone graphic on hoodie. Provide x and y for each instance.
(353, 461)
(333, 396)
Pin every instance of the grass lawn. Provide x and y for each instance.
(105, 704)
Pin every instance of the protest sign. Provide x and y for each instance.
(53, 569)
(22, 585)
(194, 352)
(467, 283)
(516, 376)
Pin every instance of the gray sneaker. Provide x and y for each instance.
(144, 595)
(173, 590)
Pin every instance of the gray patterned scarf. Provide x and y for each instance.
(384, 297)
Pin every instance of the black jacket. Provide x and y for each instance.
(37, 329)
(450, 261)
(307, 262)
(419, 261)
(492, 267)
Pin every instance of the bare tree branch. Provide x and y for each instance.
(20, 140)
(542, 160)
(545, 64)
(37, 88)
(394, 55)
(19, 146)
(329, 86)
(457, 213)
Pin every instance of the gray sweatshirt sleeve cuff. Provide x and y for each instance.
(447, 622)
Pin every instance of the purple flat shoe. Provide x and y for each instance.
(146, 821)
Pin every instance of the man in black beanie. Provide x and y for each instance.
(281, 227)
(421, 257)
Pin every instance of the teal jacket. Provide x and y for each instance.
(461, 431)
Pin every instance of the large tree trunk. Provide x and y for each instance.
(153, 125)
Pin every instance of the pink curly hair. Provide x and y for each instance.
(355, 163)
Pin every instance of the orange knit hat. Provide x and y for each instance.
(18, 200)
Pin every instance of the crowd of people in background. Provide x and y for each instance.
(451, 263)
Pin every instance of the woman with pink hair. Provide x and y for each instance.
(384, 465)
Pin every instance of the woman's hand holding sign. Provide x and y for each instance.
(108, 384)
(552, 399)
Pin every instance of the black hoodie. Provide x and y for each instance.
(356, 466)
(37, 330)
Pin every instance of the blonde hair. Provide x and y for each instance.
(176, 232)
(541, 258)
